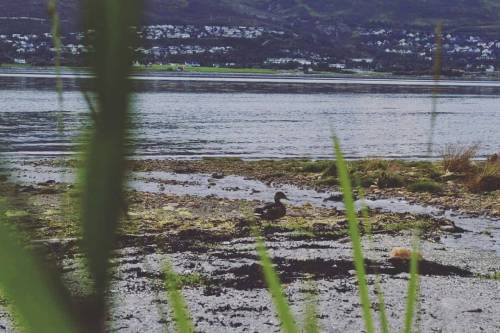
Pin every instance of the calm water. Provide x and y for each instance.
(259, 125)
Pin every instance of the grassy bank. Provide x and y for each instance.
(204, 69)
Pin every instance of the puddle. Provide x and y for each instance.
(481, 233)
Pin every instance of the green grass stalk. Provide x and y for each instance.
(287, 321)
(354, 233)
(384, 322)
(103, 178)
(311, 324)
(412, 297)
(177, 302)
(37, 299)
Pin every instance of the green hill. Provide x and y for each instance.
(31, 14)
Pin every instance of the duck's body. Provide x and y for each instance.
(272, 210)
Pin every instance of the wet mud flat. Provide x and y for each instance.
(198, 219)
(225, 291)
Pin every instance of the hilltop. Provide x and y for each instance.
(30, 15)
(327, 35)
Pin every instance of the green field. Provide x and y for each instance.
(204, 69)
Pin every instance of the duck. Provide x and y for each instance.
(272, 210)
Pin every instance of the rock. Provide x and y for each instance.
(184, 170)
(48, 190)
(26, 189)
(344, 240)
(218, 175)
(451, 176)
(171, 206)
(452, 228)
(342, 222)
(335, 196)
(402, 254)
(231, 189)
(447, 228)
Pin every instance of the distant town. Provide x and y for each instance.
(381, 49)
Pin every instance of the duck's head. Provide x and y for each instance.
(279, 196)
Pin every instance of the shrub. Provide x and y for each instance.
(327, 181)
(390, 180)
(375, 165)
(426, 185)
(330, 171)
(495, 158)
(324, 166)
(458, 159)
(488, 179)
(363, 179)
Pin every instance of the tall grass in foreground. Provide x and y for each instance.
(436, 70)
(103, 178)
(177, 302)
(412, 297)
(37, 296)
(357, 249)
(311, 324)
(56, 41)
(384, 322)
(287, 321)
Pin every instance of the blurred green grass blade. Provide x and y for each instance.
(359, 262)
(177, 302)
(384, 322)
(412, 297)
(437, 70)
(288, 323)
(364, 211)
(103, 179)
(311, 324)
(37, 299)
(56, 41)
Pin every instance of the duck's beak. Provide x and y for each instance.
(286, 198)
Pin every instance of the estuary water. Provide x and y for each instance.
(179, 120)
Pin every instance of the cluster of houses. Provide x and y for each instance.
(159, 52)
(474, 50)
(210, 44)
(166, 31)
(30, 48)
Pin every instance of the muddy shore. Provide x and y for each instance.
(197, 214)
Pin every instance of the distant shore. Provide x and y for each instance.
(279, 82)
(159, 70)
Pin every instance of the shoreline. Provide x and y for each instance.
(255, 83)
(418, 181)
(246, 73)
(197, 215)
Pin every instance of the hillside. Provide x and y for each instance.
(32, 15)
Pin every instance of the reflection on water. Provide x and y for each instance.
(259, 125)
